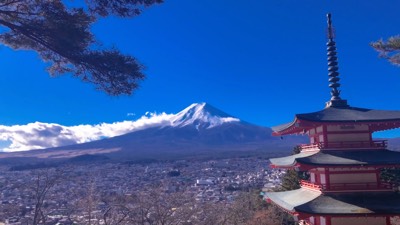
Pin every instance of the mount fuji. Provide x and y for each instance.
(198, 131)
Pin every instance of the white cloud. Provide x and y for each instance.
(45, 135)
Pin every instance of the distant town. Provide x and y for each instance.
(78, 193)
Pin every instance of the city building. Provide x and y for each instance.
(343, 161)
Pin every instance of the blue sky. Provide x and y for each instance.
(261, 61)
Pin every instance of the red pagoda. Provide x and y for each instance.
(343, 161)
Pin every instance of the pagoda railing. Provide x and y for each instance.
(346, 186)
(376, 144)
(308, 184)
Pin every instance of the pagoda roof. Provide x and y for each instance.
(308, 201)
(289, 200)
(339, 158)
(350, 114)
(345, 114)
(290, 161)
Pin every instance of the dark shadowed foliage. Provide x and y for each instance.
(291, 180)
(391, 175)
(61, 36)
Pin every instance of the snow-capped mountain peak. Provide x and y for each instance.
(201, 115)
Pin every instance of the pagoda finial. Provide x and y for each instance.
(333, 68)
(331, 33)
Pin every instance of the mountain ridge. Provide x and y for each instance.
(199, 129)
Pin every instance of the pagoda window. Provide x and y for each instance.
(312, 177)
(322, 220)
(362, 169)
(339, 128)
(358, 221)
(352, 178)
(320, 129)
(356, 181)
(321, 138)
(312, 220)
(354, 137)
(323, 178)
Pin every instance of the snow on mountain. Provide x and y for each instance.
(40, 135)
(202, 116)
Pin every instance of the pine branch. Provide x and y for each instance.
(389, 49)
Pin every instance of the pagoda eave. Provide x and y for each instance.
(300, 126)
(296, 165)
(388, 125)
(296, 127)
(289, 161)
(371, 214)
(334, 158)
(305, 167)
(306, 201)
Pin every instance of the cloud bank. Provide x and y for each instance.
(46, 135)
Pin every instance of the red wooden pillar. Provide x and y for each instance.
(327, 178)
(328, 220)
(388, 220)
(324, 133)
(370, 134)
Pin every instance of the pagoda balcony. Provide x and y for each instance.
(371, 186)
(375, 144)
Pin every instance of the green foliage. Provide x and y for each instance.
(389, 49)
(290, 181)
(391, 175)
(123, 8)
(61, 36)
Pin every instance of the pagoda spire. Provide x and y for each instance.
(333, 68)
